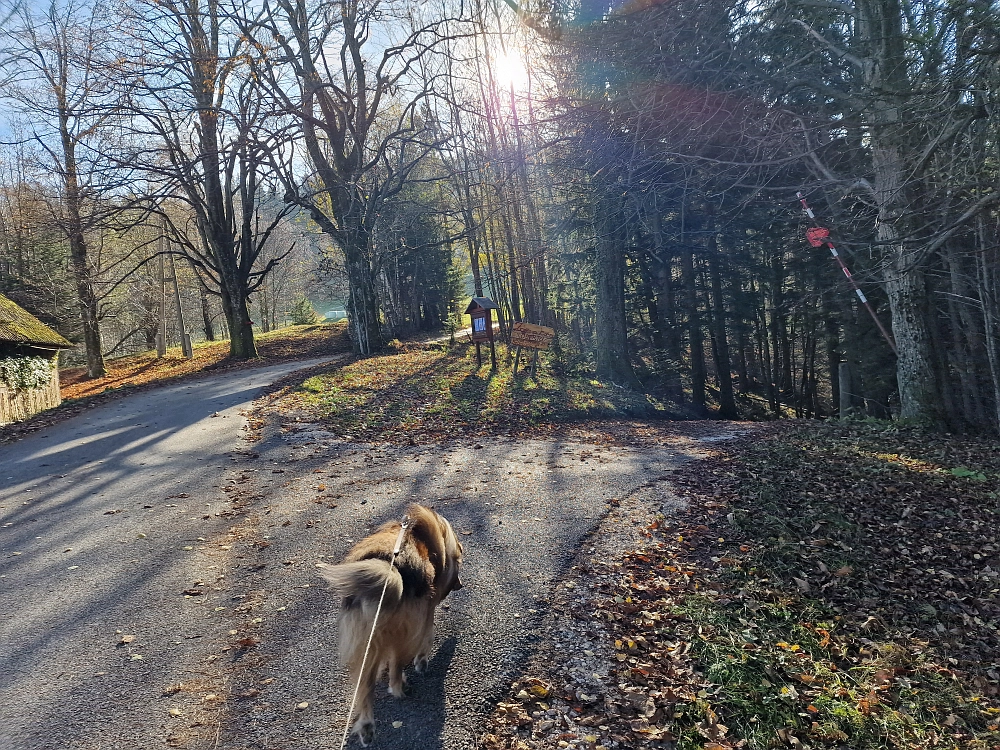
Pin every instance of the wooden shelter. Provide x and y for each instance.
(24, 337)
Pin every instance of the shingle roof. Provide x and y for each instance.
(18, 326)
(481, 303)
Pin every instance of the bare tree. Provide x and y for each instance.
(55, 79)
(204, 143)
(358, 108)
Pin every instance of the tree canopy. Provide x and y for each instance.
(627, 174)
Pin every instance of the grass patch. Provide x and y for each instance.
(436, 391)
(141, 369)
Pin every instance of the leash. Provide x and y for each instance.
(361, 672)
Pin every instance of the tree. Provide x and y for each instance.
(913, 96)
(63, 90)
(357, 107)
(203, 139)
(303, 313)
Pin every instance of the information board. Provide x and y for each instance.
(531, 336)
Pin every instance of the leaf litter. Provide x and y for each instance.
(823, 585)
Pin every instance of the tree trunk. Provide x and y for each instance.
(906, 289)
(987, 279)
(880, 33)
(362, 303)
(206, 315)
(696, 337)
(833, 357)
(237, 310)
(727, 400)
(82, 270)
(612, 333)
(88, 307)
(671, 336)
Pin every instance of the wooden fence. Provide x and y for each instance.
(18, 405)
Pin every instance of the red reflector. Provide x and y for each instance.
(817, 235)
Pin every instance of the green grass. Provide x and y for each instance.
(823, 617)
(780, 670)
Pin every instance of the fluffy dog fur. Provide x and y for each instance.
(426, 571)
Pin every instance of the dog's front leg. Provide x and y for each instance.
(423, 657)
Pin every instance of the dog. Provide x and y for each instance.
(426, 570)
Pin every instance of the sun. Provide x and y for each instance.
(510, 70)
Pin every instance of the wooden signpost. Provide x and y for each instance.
(530, 336)
(482, 326)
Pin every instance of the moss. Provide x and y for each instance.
(18, 326)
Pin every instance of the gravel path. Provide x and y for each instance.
(523, 510)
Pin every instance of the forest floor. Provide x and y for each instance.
(824, 585)
(422, 391)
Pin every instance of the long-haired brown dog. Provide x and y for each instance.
(425, 572)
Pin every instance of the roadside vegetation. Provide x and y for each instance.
(827, 586)
(421, 391)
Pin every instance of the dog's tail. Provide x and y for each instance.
(364, 580)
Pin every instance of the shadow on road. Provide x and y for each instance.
(103, 517)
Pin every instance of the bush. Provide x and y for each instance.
(303, 313)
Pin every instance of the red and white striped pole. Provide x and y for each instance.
(819, 236)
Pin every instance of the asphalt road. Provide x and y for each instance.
(158, 581)
(100, 518)
(523, 510)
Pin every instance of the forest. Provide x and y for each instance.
(660, 181)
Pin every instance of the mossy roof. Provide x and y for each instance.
(18, 326)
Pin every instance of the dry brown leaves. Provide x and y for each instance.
(827, 586)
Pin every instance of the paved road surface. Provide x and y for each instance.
(95, 513)
(523, 509)
(158, 584)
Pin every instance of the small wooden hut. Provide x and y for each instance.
(29, 372)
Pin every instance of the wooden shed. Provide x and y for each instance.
(29, 371)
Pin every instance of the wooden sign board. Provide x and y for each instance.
(531, 336)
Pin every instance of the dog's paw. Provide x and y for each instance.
(365, 730)
(401, 690)
(420, 663)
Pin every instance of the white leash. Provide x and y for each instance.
(364, 660)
